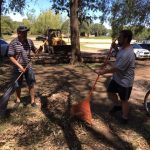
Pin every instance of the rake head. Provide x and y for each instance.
(82, 110)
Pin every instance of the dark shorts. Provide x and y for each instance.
(123, 92)
(29, 76)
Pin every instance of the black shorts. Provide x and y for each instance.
(123, 92)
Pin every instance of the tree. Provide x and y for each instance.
(140, 33)
(31, 16)
(120, 13)
(84, 28)
(6, 24)
(74, 26)
(45, 20)
(98, 29)
(78, 11)
(26, 22)
(12, 5)
(15, 24)
(129, 13)
(66, 27)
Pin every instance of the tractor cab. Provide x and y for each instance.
(55, 37)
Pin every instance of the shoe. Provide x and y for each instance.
(115, 109)
(34, 105)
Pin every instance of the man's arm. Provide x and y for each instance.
(11, 55)
(34, 49)
(112, 69)
(14, 61)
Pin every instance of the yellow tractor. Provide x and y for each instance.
(54, 38)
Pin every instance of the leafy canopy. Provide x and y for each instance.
(126, 12)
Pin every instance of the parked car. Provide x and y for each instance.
(140, 52)
(41, 38)
(4, 48)
(145, 46)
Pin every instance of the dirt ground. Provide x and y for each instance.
(49, 127)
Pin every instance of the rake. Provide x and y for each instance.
(82, 110)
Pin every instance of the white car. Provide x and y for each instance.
(140, 53)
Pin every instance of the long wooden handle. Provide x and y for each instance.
(106, 60)
(93, 87)
(109, 53)
(90, 68)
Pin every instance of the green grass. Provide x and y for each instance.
(98, 37)
(82, 47)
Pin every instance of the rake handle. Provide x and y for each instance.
(105, 62)
(91, 91)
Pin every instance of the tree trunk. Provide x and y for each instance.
(74, 27)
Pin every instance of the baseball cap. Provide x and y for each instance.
(22, 28)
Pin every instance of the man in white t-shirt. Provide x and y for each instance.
(123, 75)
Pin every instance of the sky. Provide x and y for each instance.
(38, 6)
